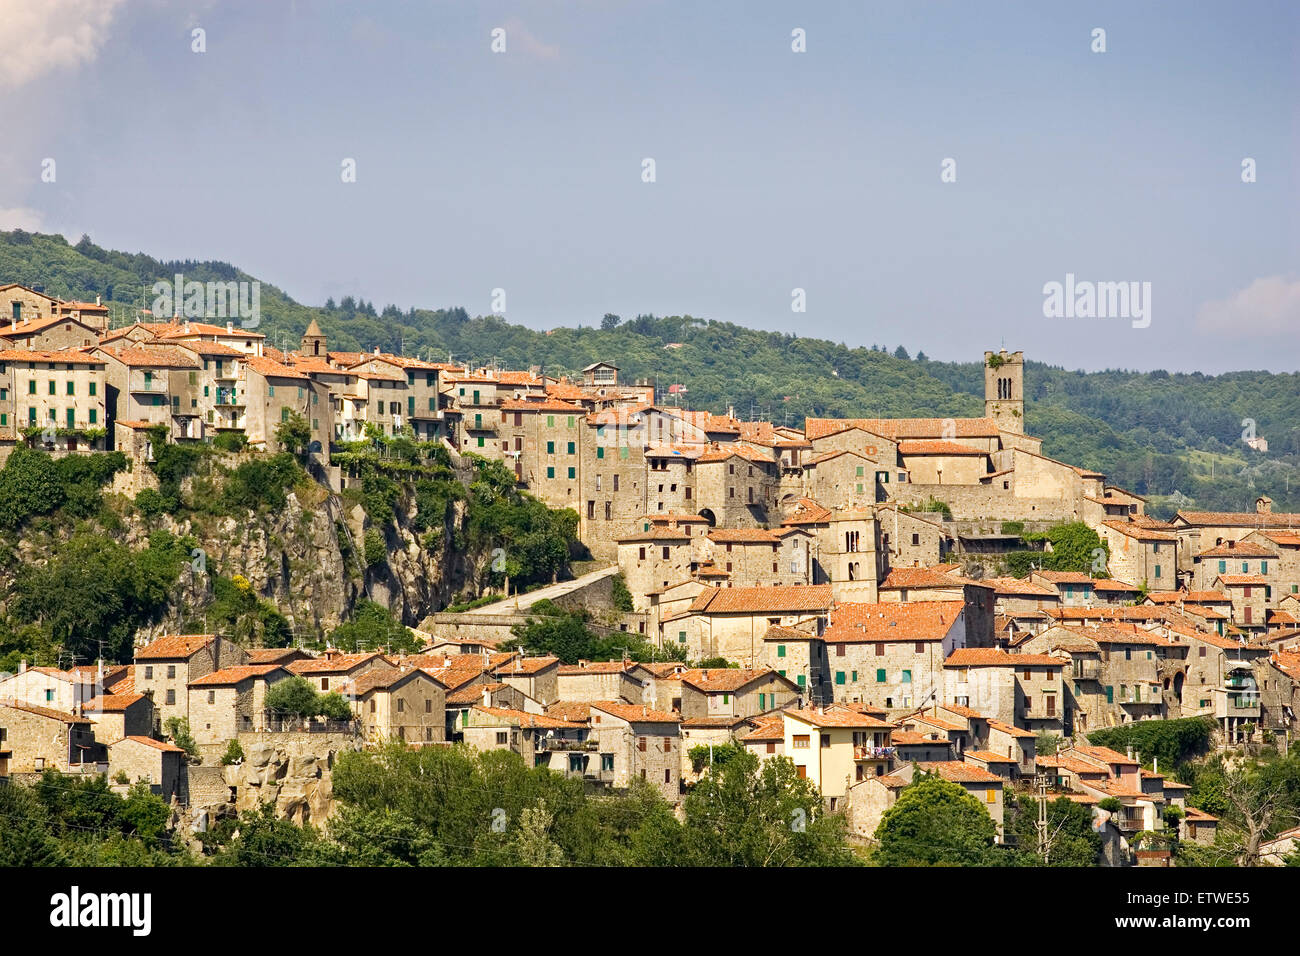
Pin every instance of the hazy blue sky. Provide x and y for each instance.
(819, 170)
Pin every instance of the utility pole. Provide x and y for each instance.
(1040, 780)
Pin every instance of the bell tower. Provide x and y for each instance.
(313, 341)
(1004, 389)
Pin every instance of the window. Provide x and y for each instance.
(71, 390)
(907, 677)
(571, 446)
(780, 650)
(880, 675)
(839, 677)
(640, 744)
(880, 650)
(171, 697)
(607, 763)
(428, 706)
(550, 472)
(572, 472)
(600, 451)
(148, 673)
(503, 737)
(801, 680)
(550, 448)
(212, 697)
(1110, 694)
(825, 741)
(171, 670)
(94, 387)
(799, 742)
(990, 795)
(920, 647)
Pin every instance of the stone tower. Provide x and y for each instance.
(1004, 389)
(313, 341)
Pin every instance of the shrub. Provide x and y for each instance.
(150, 503)
(375, 548)
(230, 441)
(178, 729)
(234, 754)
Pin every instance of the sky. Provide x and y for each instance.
(922, 171)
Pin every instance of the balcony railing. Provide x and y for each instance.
(141, 384)
(558, 744)
(1087, 670)
(873, 753)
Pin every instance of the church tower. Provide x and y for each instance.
(313, 341)
(1004, 389)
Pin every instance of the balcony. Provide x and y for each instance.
(873, 753)
(148, 384)
(1234, 703)
(1086, 670)
(560, 744)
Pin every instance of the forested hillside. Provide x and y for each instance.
(1174, 437)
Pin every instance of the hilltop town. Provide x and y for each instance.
(836, 594)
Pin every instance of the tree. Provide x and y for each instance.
(1071, 838)
(935, 822)
(373, 627)
(294, 697)
(25, 838)
(294, 434)
(610, 321)
(178, 729)
(532, 844)
(747, 813)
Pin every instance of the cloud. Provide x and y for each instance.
(20, 217)
(44, 35)
(1269, 304)
(519, 37)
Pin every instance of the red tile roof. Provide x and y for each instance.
(805, 598)
(913, 621)
(229, 676)
(174, 646)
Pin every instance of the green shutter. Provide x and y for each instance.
(880, 675)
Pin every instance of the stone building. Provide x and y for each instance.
(157, 762)
(33, 739)
(734, 692)
(165, 668)
(799, 656)
(891, 655)
(121, 715)
(536, 677)
(731, 622)
(836, 747)
(407, 705)
(642, 743)
(229, 702)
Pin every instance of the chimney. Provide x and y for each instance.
(98, 301)
(487, 697)
(230, 328)
(22, 666)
